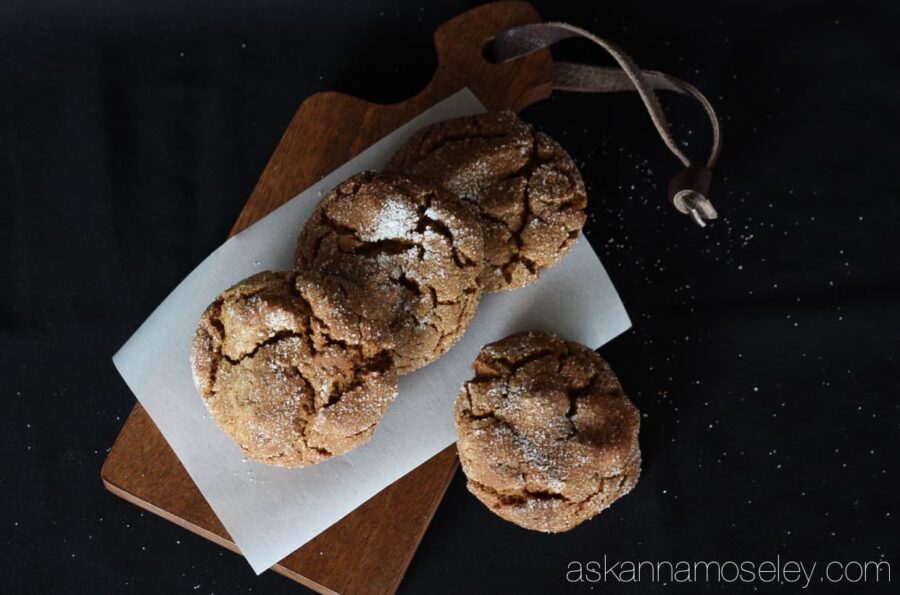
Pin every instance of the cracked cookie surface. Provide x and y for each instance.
(294, 367)
(416, 248)
(546, 437)
(528, 189)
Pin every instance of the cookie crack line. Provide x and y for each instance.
(391, 246)
(527, 217)
(409, 283)
(215, 311)
(622, 479)
(376, 364)
(315, 322)
(387, 246)
(492, 414)
(526, 191)
(521, 497)
(572, 394)
(515, 366)
(526, 171)
(274, 338)
(364, 247)
(360, 376)
(427, 223)
(339, 228)
(454, 138)
(272, 459)
(215, 320)
(519, 258)
(532, 162)
(325, 330)
(519, 438)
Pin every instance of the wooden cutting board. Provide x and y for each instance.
(369, 550)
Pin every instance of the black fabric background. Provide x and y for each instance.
(764, 348)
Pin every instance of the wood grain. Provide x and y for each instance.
(369, 550)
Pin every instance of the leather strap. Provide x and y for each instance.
(688, 189)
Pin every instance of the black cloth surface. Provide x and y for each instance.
(764, 348)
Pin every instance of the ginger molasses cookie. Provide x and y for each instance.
(416, 248)
(528, 189)
(545, 434)
(294, 367)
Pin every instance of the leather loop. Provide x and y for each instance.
(688, 190)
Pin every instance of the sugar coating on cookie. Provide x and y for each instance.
(546, 437)
(528, 189)
(416, 248)
(293, 368)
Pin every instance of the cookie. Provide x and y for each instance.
(294, 367)
(546, 437)
(415, 247)
(528, 189)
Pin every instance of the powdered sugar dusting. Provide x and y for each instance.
(396, 219)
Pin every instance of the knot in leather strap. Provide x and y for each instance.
(687, 191)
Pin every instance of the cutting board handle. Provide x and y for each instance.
(331, 128)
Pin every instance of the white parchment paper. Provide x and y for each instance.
(270, 511)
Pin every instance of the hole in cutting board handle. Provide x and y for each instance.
(488, 53)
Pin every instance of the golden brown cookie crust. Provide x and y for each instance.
(527, 187)
(293, 368)
(546, 436)
(416, 248)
